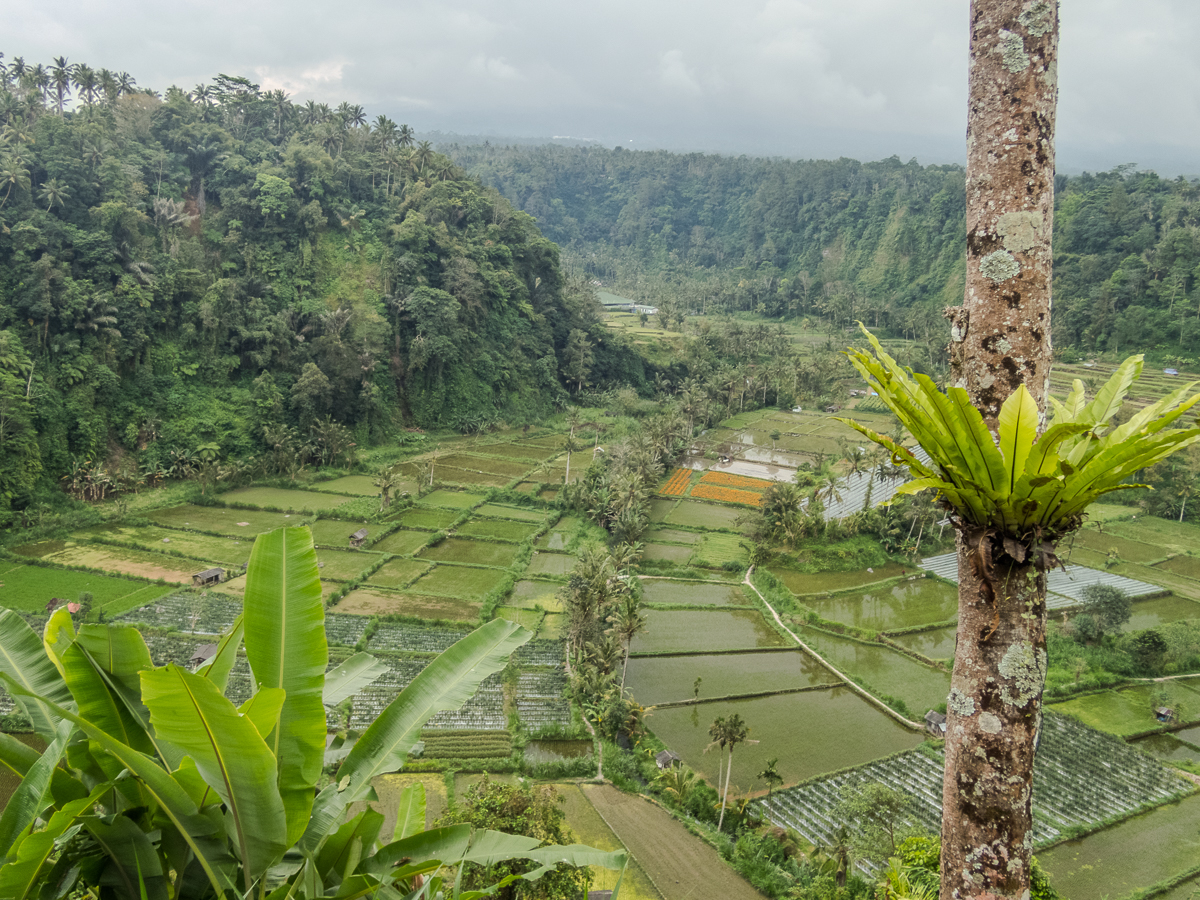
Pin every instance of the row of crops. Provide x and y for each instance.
(1082, 778)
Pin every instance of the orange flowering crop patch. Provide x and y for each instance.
(677, 483)
(726, 479)
(726, 495)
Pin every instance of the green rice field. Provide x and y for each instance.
(666, 553)
(30, 588)
(529, 594)
(520, 514)
(1129, 710)
(690, 593)
(342, 565)
(336, 533)
(472, 463)
(451, 499)
(801, 583)
(811, 733)
(530, 618)
(229, 551)
(398, 573)
(1169, 748)
(519, 451)
(670, 679)
(360, 485)
(480, 553)
(433, 519)
(497, 529)
(219, 520)
(674, 536)
(470, 477)
(706, 515)
(1156, 611)
(885, 671)
(544, 563)
(1129, 855)
(460, 581)
(698, 631)
(1127, 549)
(718, 549)
(1187, 566)
(920, 602)
(402, 542)
(279, 498)
(1173, 537)
(367, 601)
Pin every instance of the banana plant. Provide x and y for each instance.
(1030, 486)
(155, 786)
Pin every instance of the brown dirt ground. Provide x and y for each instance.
(366, 602)
(100, 557)
(681, 865)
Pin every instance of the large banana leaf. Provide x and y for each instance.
(446, 683)
(33, 793)
(18, 758)
(286, 649)
(23, 658)
(221, 663)
(20, 877)
(188, 711)
(351, 677)
(133, 866)
(173, 801)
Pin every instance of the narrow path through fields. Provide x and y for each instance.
(849, 683)
(681, 865)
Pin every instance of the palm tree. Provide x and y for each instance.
(719, 733)
(126, 84)
(405, 136)
(386, 481)
(13, 174)
(627, 623)
(54, 191)
(736, 732)
(61, 73)
(85, 82)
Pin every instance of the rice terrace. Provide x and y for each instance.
(413, 515)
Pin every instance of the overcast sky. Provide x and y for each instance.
(800, 78)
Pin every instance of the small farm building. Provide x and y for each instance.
(358, 538)
(935, 723)
(1164, 714)
(668, 759)
(203, 654)
(53, 604)
(208, 576)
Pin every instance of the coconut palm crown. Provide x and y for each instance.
(1027, 488)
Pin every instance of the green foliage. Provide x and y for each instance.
(161, 774)
(1032, 487)
(921, 857)
(881, 817)
(1108, 605)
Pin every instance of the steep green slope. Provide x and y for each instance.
(223, 271)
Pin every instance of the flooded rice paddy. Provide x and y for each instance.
(682, 631)
(811, 733)
(806, 583)
(939, 643)
(667, 679)
(687, 593)
(904, 605)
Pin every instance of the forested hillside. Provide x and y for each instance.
(221, 272)
(881, 241)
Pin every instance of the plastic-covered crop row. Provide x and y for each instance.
(543, 653)
(205, 613)
(414, 639)
(344, 630)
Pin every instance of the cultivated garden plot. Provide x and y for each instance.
(540, 700)
(718, 550)
(1081, 779)
(431, 519)
(460, 500)
(811, 733)
(474, 463)
(402, 542)
(519, 513)
(525, 452)
(225, 551)
(496, 529)
(1131, 710)
(699, 631)
(546, 563)
(534, 594)
(1187, 566)
(1107, 542)
(541, 653)
(673, 553)
(1168, 748)
(672, 679)
(220, 520)
(528, 618)
(199, 612)
(466, 744)
(399, 573)
(345, 631)
(1171, 536)
(1128, 856)
(802, 583)
(130, 561)
(367, 601)
(398, 638)
(359, 485)
(590, 829)
(30, 588)
(674, 536)
(922, 602)
(882, 670)
(464, 582)
(691, 593)
(470, 478)
(479, 553)
(282, 498)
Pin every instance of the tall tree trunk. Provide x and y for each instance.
(1000, 339)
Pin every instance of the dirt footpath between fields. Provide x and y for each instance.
(681, 865)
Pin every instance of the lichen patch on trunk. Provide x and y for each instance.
(1025, 668)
